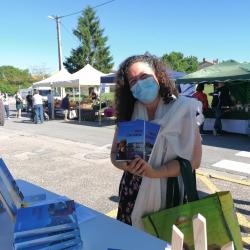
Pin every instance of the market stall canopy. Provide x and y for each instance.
(175, 74)
(59, 77)
(87, 76)
(226, 71)
(108, 78)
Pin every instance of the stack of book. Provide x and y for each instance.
(47, 226)
(39, 223)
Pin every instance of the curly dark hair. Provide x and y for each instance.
(200, 87)
(124, 100)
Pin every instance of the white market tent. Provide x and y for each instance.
(60, 76)
(87, 76)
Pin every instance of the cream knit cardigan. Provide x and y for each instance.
(176, 138)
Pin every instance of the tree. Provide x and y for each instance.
(14, 75)
(176, 61)
(11, 79)
(92, 49)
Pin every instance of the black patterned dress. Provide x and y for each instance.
(128, 190)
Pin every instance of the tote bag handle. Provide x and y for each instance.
(189, 180)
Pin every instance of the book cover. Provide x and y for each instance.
(151, 132)
(136, 138)
(130, 140)
(47, 225)
(10, 195)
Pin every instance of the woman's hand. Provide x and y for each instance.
(140, 167)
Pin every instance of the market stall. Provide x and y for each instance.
(85, 79)
(236, 76)
(61, 76)
(82, 80)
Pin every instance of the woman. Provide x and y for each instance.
(6, 105)
(144, 91)
(19, 104)
(202, 97)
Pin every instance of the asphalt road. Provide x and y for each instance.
(72, 159)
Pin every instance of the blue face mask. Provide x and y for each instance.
(145, 90)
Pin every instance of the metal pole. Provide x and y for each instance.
(79, 95)
(53, 102)
(99, 113)
(57, 18)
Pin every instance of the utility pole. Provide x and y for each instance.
(59, 44)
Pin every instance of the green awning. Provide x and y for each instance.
(227, 71)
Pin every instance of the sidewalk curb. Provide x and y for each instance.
(240, 182)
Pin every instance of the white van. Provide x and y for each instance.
(24, 92)
(43, 91)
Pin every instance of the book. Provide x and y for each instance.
(47, 226)
(10, 195)
(136, 138)
(11, 198)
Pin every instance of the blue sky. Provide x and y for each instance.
(211, 29)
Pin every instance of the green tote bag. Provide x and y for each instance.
(217, 208)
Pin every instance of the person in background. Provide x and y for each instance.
(93, 97)
(19, 104)
(202, 97)
(50, 102)
(5, 99)
(220, 103)
(145, 91)
(37, 101)
(65, 105)
(29, 102)
(2, 120)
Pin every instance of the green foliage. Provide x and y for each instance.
(92, 49)
(14, 75)
(11, 79)
(107, 97)
(6, 87)
(176, 61)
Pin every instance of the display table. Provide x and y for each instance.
(232, 121)
(229, 125)
(98, 232)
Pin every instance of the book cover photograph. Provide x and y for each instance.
(47, 226)
(135, 138)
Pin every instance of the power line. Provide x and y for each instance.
(70, 33)
(99, 5)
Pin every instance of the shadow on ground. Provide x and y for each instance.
(114, 198)
(227, 140)
(103, 123)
